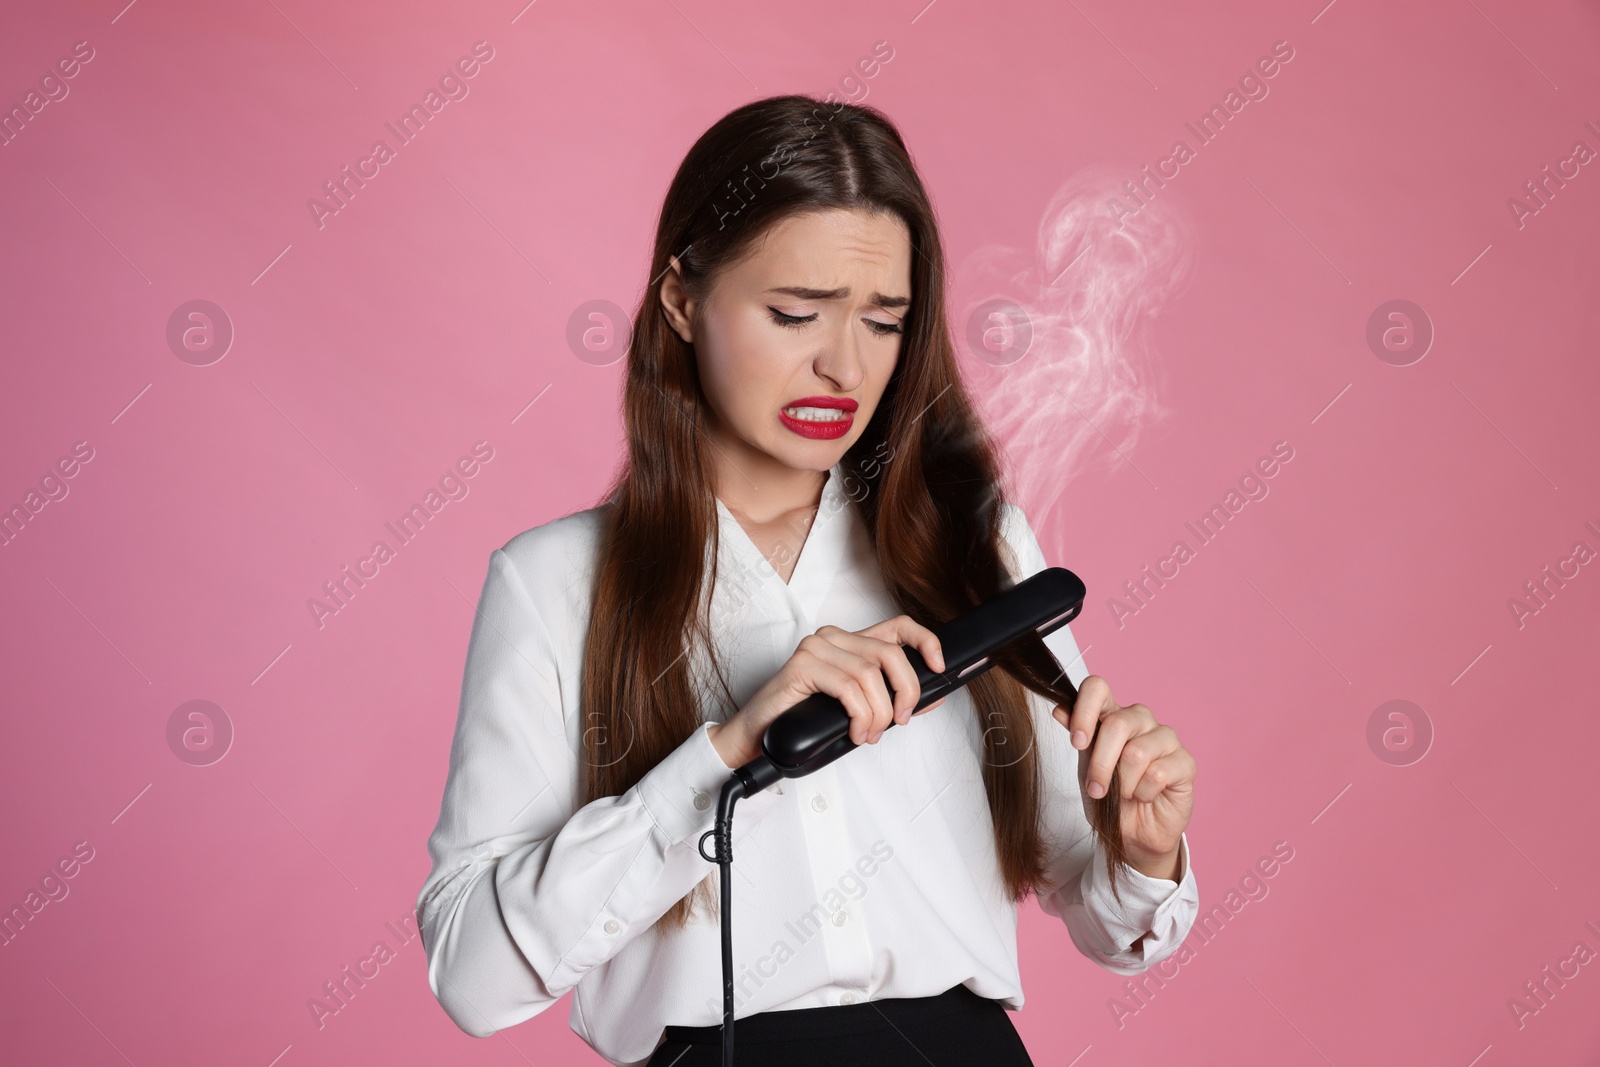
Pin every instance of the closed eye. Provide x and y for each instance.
(796, 321)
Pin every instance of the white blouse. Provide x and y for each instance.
(874, 877)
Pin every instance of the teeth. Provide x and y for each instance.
(817, 414)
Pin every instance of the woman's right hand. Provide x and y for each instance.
(848, 666)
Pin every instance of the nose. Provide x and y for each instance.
(839, 363)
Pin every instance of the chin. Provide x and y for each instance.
(819, 456)
(821, 466)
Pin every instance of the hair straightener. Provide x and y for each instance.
(816, 731)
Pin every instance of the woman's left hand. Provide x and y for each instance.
(1157, 773)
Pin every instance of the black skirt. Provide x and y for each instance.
(953, 1029)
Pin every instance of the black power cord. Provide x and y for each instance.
(753, 776)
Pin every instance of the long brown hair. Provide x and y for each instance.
(941, 554)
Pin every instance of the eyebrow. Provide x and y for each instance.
(876, 299)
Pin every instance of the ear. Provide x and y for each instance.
(676, 302)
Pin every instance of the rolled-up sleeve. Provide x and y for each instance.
(528, 890)
(1154, 915)
(1144, 928)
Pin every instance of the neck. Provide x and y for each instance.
(758, 488)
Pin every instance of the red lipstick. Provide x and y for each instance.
(814, 424)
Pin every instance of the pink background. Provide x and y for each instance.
(432, 311)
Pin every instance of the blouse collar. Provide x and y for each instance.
(820, 556)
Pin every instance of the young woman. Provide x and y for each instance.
(807, 489)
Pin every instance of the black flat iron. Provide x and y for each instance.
(816, 731)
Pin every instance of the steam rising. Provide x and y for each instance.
(1084, 387)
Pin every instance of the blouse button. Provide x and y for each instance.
(819, 802)
(847, 998)
(702, 801)
(839, 917)
(612, 926)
